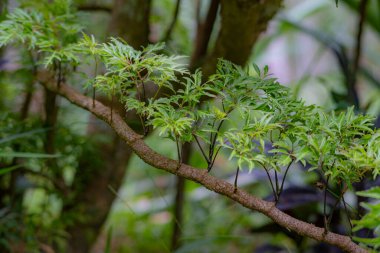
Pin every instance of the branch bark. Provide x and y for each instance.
(137, 144)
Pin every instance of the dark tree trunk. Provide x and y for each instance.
(92, 195)
(179, 202)
(130, 21)
(95, 197)
(242, 23)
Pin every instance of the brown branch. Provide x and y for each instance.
(169, 32)
(137, 144)
(204, 31)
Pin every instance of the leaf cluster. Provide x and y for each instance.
(372, 219)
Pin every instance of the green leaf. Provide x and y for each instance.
(4, 171)
(374, 192)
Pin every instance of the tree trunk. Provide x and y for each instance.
(93, 198)
(130, 21)
(242, 23)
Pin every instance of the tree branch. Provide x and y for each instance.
(168, 33)
(137, 144)
(204, 31)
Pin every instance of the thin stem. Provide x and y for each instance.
(59, 78)
(333, 210)
(347, 213)
(270, 181)
(213, 160)
(93, 86)
(157, 92)
(324, 204)
(143, 88)
(212, 147)
(178, 152)
(200, 147)
(112, 99)
(236, 178)
(283, 179)
(276, 181)
(211, 140)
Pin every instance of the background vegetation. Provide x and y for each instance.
(70, 184)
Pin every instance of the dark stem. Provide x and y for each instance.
(276, 181)
(202, 151)
(59, 78)
(236, 178)
(333, 210)
(212, 146)
(93, 86)
(347, 213)
(93, 95)
(213, 160)
(283, 180)
(324, 205)
(180, 202)
(111, 107)
(271, 183)
(178, 152)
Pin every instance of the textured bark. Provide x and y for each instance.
(130, 21)
(241, 24)
(137, 144)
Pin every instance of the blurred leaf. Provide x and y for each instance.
(109, 240)
(28, 155)
(22, 135)
(4, 171)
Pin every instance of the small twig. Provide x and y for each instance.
(236, 178)
(213, 160)
(179, 156)
(270, 181)
(324, 204)
(111, 107)
(333, 210)
(93, 86)
(276, 181)
(283, 180)
(200, 147)
(347, 213)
